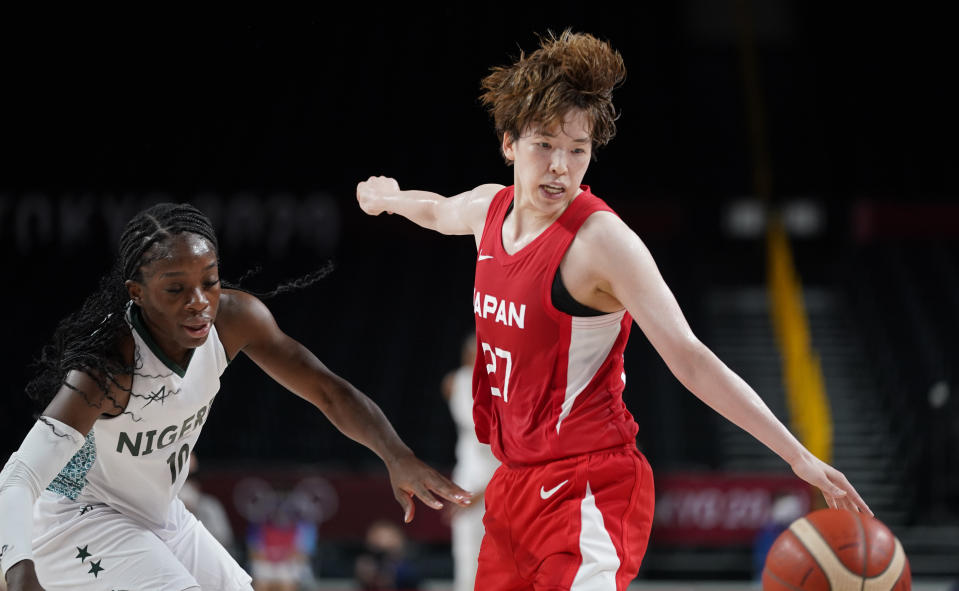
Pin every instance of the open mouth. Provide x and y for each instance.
(553, 190)
(198, 330)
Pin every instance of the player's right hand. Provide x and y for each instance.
(836, 489)
(370, 193)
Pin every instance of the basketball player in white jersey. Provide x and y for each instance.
(475, 464)
(89, 501)
(559, 281)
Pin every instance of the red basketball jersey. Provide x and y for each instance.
(546, 385)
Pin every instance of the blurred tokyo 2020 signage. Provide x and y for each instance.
(342, 503)
(719, 509)
(274, 225)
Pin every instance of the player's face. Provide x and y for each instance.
(180, 293)
(549, 164)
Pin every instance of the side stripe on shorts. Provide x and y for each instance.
(600, 561)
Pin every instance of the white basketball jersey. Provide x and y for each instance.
(137, 462)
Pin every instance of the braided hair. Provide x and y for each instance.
(154, 226)
(90, 339)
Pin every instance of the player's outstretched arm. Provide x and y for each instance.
(245, 324)
(461, 214)
(625, 269)
(56, 436)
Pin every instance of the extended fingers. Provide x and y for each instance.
(411, 478)
(424, 494)
(857, 501)
(444, 488)
(404, 496)
(451, 492)
(851, 499)
(405, 500)
(854, 502)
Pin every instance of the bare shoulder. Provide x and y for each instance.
(485, 193)
(240, 317)
(477, 202)
(480, 197)
(604, 247)
(605, 233)
(236, 306)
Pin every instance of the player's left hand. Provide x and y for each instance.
(410, 477)
(836, 489)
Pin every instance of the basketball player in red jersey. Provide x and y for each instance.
(560, 278)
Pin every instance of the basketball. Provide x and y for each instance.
(836, 550)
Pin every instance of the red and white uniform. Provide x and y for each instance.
(572, 505)
(546, 385)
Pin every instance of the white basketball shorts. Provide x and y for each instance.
(93, 547)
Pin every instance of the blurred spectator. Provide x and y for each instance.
(786, 508)
(475, 465)
(207, 508)
(281, 550)
(384, 564)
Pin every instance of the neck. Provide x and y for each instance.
(525, 222)
(179, 355)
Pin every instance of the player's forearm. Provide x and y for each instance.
(16, 525)
(45, 450)
(294, 367)
(423, 208)
(729, 395)
(360, 419)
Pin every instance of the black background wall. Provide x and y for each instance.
(271, 120)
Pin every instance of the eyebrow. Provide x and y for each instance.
(583, 140)
(178, 273)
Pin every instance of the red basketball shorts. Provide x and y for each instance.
(580, 523)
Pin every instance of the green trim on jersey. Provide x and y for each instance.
(137, 321)
(71, 480)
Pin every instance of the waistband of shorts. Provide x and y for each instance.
(616, 449)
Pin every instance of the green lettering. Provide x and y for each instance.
(171, 431)
(200, 415)
(150, 436)
(186, 427)
(124, 438)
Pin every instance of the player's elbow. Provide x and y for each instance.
(688, 360)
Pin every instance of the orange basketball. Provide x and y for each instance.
(836, 550)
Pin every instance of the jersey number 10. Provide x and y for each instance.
(177, 460)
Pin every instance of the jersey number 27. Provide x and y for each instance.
(490, 353)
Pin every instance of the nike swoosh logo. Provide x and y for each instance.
(483, 257)
(545, 494)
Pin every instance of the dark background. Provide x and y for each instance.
(114, 113)
(279, 116)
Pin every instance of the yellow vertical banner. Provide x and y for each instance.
(806, 398)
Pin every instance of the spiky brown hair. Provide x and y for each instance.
(568, 71)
